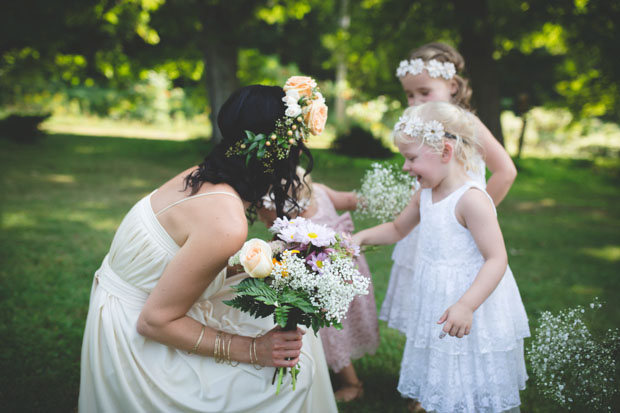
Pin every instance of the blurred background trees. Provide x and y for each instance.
(161, 61)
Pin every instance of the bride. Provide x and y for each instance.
(158, 336)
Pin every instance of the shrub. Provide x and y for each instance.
(361, 143)
(22, 128)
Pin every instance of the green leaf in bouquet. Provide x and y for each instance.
(281, 315)
(299, 300)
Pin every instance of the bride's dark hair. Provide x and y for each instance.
(255, 108)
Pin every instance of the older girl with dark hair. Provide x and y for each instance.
(158, 336)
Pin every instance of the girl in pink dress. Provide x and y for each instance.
(360, 331)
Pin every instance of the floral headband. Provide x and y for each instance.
(306, 113)
(431, 131)
(434, 68)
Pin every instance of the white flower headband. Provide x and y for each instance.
(434, 68)
(431, 131)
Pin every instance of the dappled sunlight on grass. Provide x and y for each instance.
(532, 205)
(59, 178)
(17, 220)
(85, 150)
(63, 198)
(609, 253)
(588, 291)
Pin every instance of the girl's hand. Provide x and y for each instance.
(458, 318)
(279, 348)
(356, 239)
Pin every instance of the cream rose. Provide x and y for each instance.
(255, 257)
(316, 116)
(301, 84)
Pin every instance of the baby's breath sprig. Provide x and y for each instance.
(384, 193)
(571, 366)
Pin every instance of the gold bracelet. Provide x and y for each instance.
(202, 333)
(230, 363)
(253, 347)
(216, 347)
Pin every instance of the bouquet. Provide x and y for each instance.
(306, 276)
(385, 191)
(571, 366)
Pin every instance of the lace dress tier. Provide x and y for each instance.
(395, 308)
(122, 371)
(483, 371)
(360, 330)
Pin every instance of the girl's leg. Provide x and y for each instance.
(351, 387)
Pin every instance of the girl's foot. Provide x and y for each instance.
(414, 406)
(349, 392)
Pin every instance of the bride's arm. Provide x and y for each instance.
(212, 239)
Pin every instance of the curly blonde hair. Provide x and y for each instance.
(446, 53)
(457, 122)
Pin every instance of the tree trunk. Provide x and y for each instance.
(522, 135)
(221, 76)
(341, 67)
(477, 48)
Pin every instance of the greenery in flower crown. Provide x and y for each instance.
(276, 146)
(306, 113)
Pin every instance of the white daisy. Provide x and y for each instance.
(433, 131)
(434, 68)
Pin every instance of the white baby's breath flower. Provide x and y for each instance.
(384, 193)
(570, 364)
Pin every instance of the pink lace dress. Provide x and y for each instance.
(360, 332)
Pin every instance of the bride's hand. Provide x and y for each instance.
(279, 348)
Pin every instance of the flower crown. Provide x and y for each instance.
(435, 68)
(306, 113)
(431, 131)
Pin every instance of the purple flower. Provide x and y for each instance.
(317, 261)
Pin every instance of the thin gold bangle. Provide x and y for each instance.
(216, 347)
(202, 333)
(228, 353)
(253, 347)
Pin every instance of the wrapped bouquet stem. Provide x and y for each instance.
(306, 277)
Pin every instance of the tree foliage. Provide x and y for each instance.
(519, 53)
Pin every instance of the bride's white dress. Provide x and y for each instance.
(122, 371)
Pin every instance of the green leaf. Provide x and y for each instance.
(250, 135)
(281, 315)
(299, 300)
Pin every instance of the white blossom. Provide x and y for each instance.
(570, 364)
(385, 192)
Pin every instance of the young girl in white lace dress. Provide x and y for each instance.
(433, 73)
(466, 324)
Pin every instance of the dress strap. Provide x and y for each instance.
(195, 196)
(477, 185)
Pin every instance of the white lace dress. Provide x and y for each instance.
(481, 372)
(395, 307)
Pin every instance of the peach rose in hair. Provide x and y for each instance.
(316, 116)
(301, 84)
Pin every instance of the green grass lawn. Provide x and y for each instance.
(62, 199)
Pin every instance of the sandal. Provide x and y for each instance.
(350, 392)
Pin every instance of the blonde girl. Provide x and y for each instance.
(464, 348)
(433, 73)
